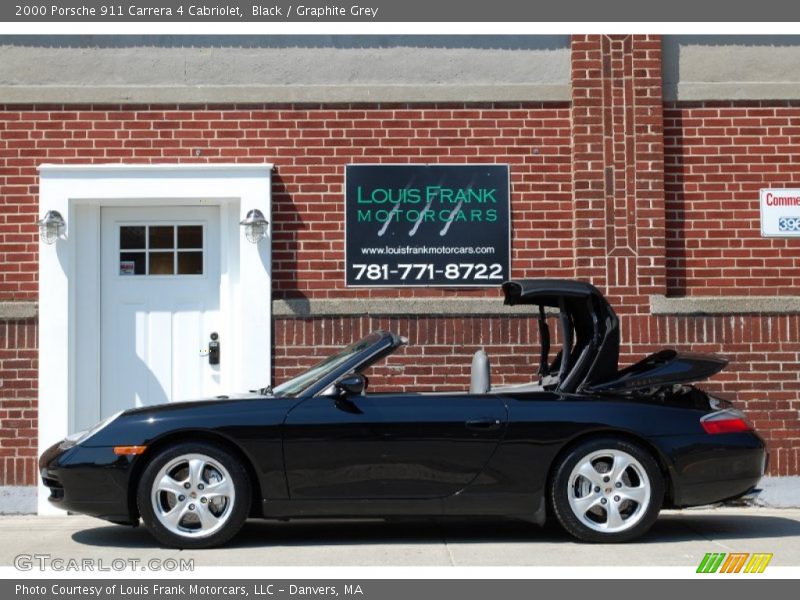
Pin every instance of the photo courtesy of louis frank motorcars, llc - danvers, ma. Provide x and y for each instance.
(554, 278)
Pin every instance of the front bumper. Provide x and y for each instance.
(90, 481)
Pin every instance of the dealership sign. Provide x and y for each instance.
(780, 212)
(427, 225)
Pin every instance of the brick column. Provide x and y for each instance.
(618, 166)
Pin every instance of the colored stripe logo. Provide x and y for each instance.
(735, 562)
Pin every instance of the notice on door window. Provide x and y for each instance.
(127, 267)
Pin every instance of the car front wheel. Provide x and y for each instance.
(194, 495)
(607, 490)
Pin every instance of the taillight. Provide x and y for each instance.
(725, 421)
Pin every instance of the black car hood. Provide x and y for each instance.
(663, 368)
(182, 404)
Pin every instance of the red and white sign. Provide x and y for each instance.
(780, 212)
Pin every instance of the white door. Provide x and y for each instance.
(160, 292)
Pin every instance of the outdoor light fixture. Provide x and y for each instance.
(255, 226)
(51, 226)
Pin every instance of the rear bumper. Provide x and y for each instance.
(89, 481)
(706, 469)
(717, 491)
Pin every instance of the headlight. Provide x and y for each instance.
(81, 436)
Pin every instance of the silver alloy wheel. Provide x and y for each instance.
(609, 491)
(193, 495)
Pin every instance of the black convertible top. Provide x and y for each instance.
(589, 329)
(547, 292)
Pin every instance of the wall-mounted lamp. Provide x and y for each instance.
(51, 226)
(255, 226)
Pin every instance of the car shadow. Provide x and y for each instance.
(670, 528)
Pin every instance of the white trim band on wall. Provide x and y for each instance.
(725, 305)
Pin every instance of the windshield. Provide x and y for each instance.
(318, 372)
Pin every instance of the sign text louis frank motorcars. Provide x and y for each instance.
(427, 225)
(780, 212)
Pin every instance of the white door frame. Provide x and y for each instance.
(69, 293)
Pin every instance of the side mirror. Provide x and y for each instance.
(353, 384)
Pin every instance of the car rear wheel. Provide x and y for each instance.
(607, 490)
(194, 495)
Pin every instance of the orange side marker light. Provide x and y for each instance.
(129, 450)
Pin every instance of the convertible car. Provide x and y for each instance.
(599, 449)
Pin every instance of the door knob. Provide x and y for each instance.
(213, 349)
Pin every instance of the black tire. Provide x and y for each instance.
(641, 515)
(235, 513)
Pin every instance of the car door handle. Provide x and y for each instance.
(485, 424)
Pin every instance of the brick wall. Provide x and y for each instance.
(310, 147)
(18, 403)
(618, 164)
(718, 156)
(638, 196)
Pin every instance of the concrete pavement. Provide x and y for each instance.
(679, 538)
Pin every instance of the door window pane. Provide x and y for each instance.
(132, 263)
(162, 237)
(131, 238)
(162, 263)
(190, 263)
(190, 236)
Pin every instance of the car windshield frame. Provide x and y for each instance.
(327, 370)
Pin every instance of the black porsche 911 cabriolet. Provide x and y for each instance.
(601, 450)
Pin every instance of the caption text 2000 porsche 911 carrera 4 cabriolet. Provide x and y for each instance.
(600, 449)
